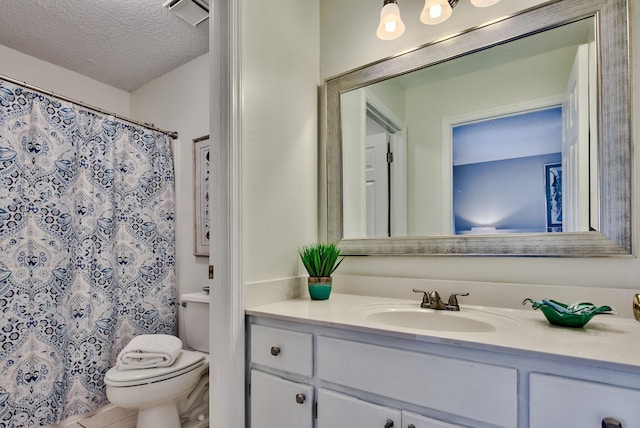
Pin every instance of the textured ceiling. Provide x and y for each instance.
(124, 43)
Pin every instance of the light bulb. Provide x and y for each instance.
(484, 3)
(391, 25)
(435, 12)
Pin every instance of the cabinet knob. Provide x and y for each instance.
(275, 351)
(300, 398)
(611, 423)
(389, 423)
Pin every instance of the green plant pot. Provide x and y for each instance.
(319, 287)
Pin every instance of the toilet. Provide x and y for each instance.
(159, 394)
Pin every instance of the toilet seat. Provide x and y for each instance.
(186, 361)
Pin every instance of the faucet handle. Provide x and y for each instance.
(426, 300)
(452, 304)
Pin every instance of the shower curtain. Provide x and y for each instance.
(87, 251)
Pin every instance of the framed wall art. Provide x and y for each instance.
(201, 174)
(553, 193)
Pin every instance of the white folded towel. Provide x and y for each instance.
(149, 350)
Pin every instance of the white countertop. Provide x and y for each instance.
(605, 339)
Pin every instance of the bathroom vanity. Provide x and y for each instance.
(359, 361)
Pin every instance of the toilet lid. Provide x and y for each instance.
(186, 361)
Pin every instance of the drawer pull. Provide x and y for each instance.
(389, 423)
(411, 426)
(300, 398)
(275, 351)
(611, 423)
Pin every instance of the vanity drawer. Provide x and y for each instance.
(583, 404)
(474, 390)
(286, 350)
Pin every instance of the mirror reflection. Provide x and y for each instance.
(498, 141)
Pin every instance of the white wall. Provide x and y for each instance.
(348, 40)
(179, 101)
(61, 81)
(280, 63)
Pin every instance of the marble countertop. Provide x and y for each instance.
(605, 339)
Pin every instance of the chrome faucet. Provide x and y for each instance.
(432, 300)
(436, 301)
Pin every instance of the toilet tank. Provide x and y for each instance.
(195, 316)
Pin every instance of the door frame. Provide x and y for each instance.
(398, 141)
(226, 310)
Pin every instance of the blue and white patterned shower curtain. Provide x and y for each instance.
(87, 251)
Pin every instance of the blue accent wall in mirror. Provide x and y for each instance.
(500, 172)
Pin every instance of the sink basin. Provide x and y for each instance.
(466, 320)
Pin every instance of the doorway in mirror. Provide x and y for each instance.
(498, 172)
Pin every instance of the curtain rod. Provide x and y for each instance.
(172, 134)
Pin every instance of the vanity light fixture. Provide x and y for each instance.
(391, 25)
(434, 12)
(437, 11)
(484, 3)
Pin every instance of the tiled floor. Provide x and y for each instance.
(108, 417)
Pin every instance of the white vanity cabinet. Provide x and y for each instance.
(284, 377)
(580, 404)
(310, 375)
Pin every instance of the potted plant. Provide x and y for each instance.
(320, 260)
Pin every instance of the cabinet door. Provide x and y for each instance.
(414, 420)
(558, 401)
(279, 403)
(337, 410)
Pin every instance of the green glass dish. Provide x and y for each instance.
(575, 316)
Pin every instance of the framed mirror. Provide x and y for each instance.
(450, 149)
